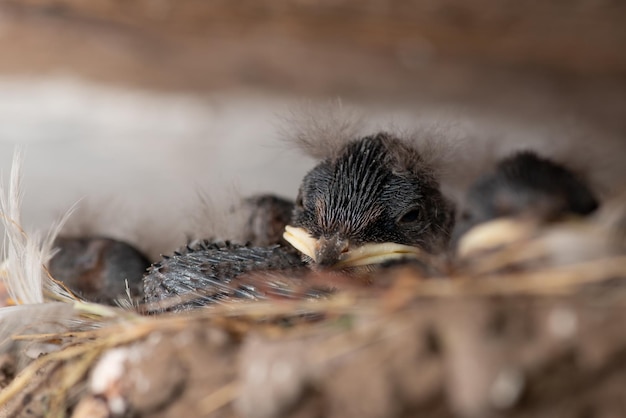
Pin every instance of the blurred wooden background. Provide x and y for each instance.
(449, 48)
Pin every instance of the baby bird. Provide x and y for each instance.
(373, 200)
(266, 220)
(526, 185)
(99, 269)
(525, 196)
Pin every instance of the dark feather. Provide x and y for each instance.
(210, 272)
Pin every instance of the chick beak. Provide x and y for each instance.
(325, 251)
(328, 250)
(336, 252)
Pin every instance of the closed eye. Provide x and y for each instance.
(411, 216)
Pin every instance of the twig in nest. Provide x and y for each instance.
(221, 397)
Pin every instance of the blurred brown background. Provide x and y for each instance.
(138, 104)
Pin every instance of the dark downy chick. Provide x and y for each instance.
(267, 216)
(528, 185)
(374, 200)
(98, 269)
(369, 202)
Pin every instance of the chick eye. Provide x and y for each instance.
(411, 216)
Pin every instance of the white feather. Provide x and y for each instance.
(25, 254)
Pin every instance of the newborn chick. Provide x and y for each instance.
(267, 217)
(98, 268)
(528, 185)
(375, 200)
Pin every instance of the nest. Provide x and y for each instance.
(527, 323)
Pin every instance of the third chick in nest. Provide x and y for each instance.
(524, 193)
(528, 185)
